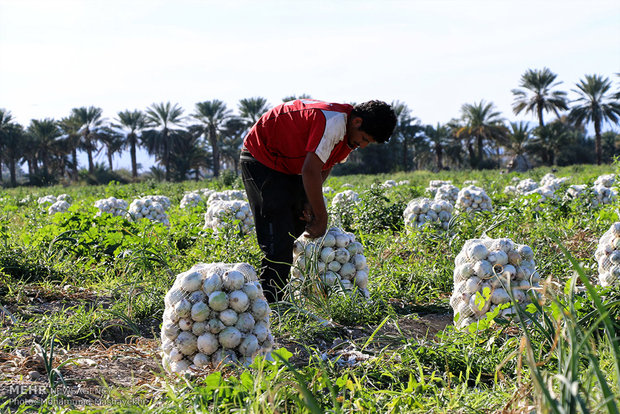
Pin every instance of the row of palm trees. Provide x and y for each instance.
(481, 129)
(211, 136)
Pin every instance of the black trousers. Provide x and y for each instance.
(277, 202)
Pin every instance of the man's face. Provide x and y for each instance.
(356, 138)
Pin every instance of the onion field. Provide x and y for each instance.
(460, 292)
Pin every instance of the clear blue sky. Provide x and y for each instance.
(432, 55)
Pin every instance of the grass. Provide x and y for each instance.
(561, 358)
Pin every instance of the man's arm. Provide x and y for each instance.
(324, 175)
(312, 176)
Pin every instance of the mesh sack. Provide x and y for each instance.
(215, 314)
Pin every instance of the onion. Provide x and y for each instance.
(239, 301)
(218, 300)
(229, 317)
(191, 282)
(208, 343)
(230, 337)
(200, 312)
(186, 343)
(233, 280)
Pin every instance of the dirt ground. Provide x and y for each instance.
(123, 362)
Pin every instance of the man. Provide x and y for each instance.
(285, 159)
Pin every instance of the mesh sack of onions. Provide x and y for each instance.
(226, 195)
(389, 184)
(608, 256)
(161, 199)
(48, 199)
(550, 180)
(146, 208)
(346, 198)
(606, 180)
(485, 270)
(434, 185)
(191, 199)
(335, 261)
(111, 205)
(59, 206)
(422, 211)
(215, 314)
(223, 214)
(605, 195)
(64, 197)
(471, 199)
(447, 192)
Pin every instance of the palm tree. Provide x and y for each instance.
(186, 154)
(295, 97)
(11, 144)
(595, 104)
(232, 137)
(113, 142)
(482, 123)
(6, 120)
(70, 128)
(132, 123)
(519, 136)
(439, 137)
(536, 94)
(91, 121)
(251, 109)
(407, 127)
(160, 139)
(46, 134)
(212, 116)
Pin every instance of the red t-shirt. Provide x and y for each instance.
(284, 135)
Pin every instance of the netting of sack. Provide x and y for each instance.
(111, 205)
(223, 214)
(60, 206)
(485, 270)
(471, 199)
(334, 261)
(161, 199)
(215, 314)
(191, 199)
(606, 180)
(423, 211)
(147, 208)
(434, 185)
(226, 195)
(346, 198)
(447, 192)
(608, 256)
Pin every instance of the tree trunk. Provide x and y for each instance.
(75, 163)
(91, 165)
(540, 116)
(439, 157)
(597, 141)
(472, 154)
(110, 161)
(405, 154)
(166, 155)
(12, 171)
(134, 162)
(215, 150)
(479, 143)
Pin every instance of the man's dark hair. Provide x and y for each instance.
(378, 119)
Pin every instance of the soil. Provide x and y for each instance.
(119, 361)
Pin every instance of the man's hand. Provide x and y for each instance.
(313, 179)
(316, 227)
(307, 215)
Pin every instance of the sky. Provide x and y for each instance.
(434, 56)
